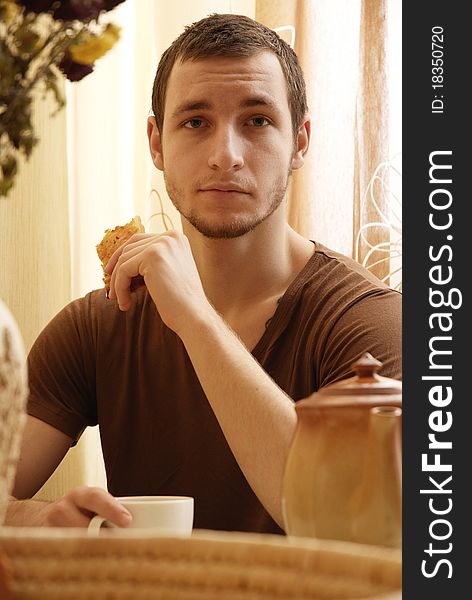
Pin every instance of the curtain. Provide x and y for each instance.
(35, 279)
(371, 127)
(106, 136)
(34, 229)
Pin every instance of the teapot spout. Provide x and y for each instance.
(376, 506)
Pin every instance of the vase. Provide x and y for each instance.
(376, 508)
(13, 394)
(342, 478)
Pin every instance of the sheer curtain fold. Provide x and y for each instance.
(371, 130)
(35, 279)
(107, 145)
(34, 229)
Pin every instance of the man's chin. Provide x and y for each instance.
(221, 231)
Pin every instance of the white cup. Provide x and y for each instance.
(166, 515)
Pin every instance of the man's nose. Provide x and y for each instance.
(226, 152)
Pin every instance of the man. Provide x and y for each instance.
(193, 378)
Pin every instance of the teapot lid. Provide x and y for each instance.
(366, 381)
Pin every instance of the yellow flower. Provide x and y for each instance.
(8, 11)
(89, 47)
(27, 40)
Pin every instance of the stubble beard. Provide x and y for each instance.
(237, 227)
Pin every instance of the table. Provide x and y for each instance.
(210, 565)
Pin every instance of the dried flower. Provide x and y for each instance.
(70, 10)
(72, 70)
(78, 9)
(39, 40)
(8, 11)
(89, 47)
(38, 6)
(110, 4)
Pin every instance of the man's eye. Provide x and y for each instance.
(259, 121)
(194, 123)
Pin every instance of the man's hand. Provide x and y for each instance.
(75, 509)
(166, 263)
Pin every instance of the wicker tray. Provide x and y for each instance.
(65, 563)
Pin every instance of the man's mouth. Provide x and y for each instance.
(220, 187)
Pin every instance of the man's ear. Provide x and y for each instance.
(302, 144)
(155, 145)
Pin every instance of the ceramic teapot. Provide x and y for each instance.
(342, 478)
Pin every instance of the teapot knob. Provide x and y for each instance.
(366, 366)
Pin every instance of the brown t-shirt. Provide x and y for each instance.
(131, 374)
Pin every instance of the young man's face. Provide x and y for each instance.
(227, 145)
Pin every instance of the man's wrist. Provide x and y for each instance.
(201, 320)
(26, 513)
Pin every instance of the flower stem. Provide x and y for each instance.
(53, 49)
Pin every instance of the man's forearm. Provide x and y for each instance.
(257, 418)
(74, 509)
(26, 513)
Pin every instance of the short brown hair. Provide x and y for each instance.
(233, 36)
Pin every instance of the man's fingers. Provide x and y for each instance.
(77, 507)
(127, 270)
(120, 284)
(130, 273)
(98, 501)
(137, 237)
(63, 513)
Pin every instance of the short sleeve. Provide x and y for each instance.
(370, 324)
(61, 370)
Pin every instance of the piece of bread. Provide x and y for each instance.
(112, 240)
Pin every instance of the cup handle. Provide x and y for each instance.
(95, 525)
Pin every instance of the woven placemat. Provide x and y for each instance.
(65, 563)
